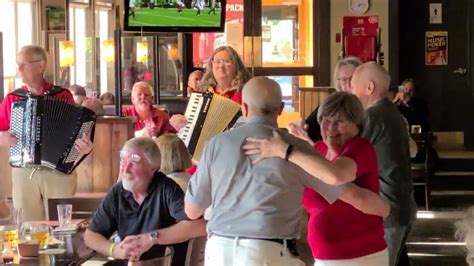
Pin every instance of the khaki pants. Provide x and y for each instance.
(32, 193)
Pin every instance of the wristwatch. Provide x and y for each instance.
(154, 236)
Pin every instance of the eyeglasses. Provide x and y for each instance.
(344, 79)
(134, 158)
(20, 65)
(222, 62)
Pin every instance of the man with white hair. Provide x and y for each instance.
(387, 132)
(145, 208)
(256, 209)
(151, 121)
(31, 188)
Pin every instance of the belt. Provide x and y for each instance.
(290, 243)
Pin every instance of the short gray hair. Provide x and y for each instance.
(38, 52)
(149, 149)
(348, 61)
(345, 105)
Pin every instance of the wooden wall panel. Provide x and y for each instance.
(310, 98)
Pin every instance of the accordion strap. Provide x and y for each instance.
(24, 93)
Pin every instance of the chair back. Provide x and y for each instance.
(424, 157)
(196, 251)
(161, 261)
(422, 166)
(82, 208)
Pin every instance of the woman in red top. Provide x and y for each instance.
(339, 234)
(225, 74)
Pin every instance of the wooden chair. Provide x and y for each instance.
(196, 251)
(422, 166)
(82, 208)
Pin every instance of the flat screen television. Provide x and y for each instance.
(174, 15)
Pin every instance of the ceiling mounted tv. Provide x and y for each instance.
(174, 15)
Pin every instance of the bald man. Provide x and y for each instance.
(256, 209)
(387, 132)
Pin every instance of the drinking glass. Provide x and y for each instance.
(10, 235)
(41, 233)
(64, 214)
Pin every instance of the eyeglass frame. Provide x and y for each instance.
(20, 65)
(134, 158)
(225, 62)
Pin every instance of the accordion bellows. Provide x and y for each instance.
(46, 129)
(209, 114)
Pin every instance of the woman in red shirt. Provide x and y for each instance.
(225, 74)
(342, 233)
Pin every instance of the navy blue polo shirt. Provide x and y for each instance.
(162, 207)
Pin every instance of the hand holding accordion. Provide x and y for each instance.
(50, 133)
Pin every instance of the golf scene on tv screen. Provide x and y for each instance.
(174, 13)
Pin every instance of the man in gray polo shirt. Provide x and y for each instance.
(387, 132)
(256, 209)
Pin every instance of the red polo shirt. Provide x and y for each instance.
(160, 119)
(6, 105)
(339, 231)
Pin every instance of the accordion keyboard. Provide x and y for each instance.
(192, 114)
(16, 129)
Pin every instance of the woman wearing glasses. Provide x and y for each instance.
(342, 82)
(225, 74)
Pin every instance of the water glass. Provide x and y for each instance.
(64, 214)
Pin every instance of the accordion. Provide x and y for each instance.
(46, 129)
(208, 114)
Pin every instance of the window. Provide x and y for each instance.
(294, 18)
(18, 27)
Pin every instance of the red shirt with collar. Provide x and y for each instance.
(339, 231)
(160, 119)
(6, 105)
(235, 96)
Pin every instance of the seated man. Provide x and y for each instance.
(146, 208)
(151, 122)
(95, 105)
(78, 93)
(193, 81)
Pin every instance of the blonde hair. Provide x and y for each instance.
(175, 156)
(241, 73)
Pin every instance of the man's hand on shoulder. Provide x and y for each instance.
(7, 139)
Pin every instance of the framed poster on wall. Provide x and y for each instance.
(436, 47)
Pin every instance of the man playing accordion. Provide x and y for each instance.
(31, 188)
